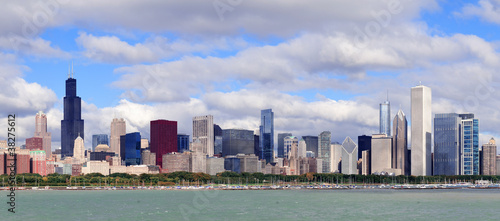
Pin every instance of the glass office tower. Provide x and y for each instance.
(447, 144)
(470, 145)
(266, 142)
(385, 118)
(99, 139)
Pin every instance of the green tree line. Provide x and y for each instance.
(187, 178)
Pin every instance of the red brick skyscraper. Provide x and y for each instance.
(163, 138)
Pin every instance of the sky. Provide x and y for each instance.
(321, 65)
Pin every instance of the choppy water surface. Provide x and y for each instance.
(256, 205)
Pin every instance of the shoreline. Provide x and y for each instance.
(257, 187)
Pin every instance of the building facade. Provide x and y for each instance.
(130, 149)
(203, 129)
(231, 163)
(290, 147)
(385, 118)
(364, 143)
(38, 162)
(72, 124)
(182, 143)
(79, 150)
(217, 139)
(266, 143)
(421, 131)
(148, 158)
(41, 132)
(400, 153)
(118, 129)
(174, 162)
(324, 150)
(311, 144)
(381, 153)
(470, 145)
(281, 144)
(236, 141)
(447, 140)
(336, 156)
(99, 139)
(215, 165)
(489, 156)
(163, 138)
(349, 157)
(34, 143)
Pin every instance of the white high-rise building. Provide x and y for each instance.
(118, 128)
(421, 130)
(203, 129)
(349, 157)
(302, 148)
(381, 153)
(336, 156)
(79, 150)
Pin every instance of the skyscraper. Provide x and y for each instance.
(118, 128)
(470, 145)
(311, 144)
(99, 139)
(489, 158)
(72, 124)
(79, 150)
(421, 127)
(400, 153)
(163, 138)
(447, 144)
(182, 143)
(236, 141)
(217, 139)
(381, 153)
(203, 129)
(385, 117)
(324, 150)
(130, 149)
(290, 144)
(281, 143)
(336, 156)
(364, 143)
(301, 149)
(266, 143)
(41, 132)
(349, 157)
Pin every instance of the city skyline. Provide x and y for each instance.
(334, 72)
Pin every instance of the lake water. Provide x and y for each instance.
(255, 205)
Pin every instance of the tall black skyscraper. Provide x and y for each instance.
(72, 124)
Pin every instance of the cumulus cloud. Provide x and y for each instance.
(488, 10)
(18, 95)
(31, 47)
(111, 49)
(200, 17)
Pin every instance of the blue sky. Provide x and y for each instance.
(176, 60)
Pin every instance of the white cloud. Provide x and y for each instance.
(111, 49)
(488, 10)
(200, 17)
(32, 47)
(18, 95)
